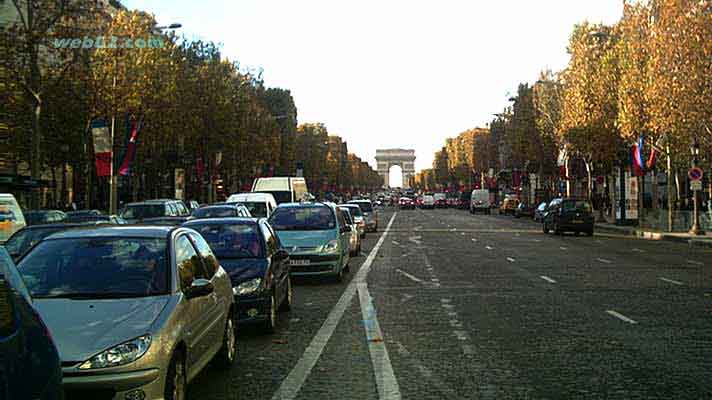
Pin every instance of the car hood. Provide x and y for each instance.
(291, 239)
(84, 328)
(244, 269)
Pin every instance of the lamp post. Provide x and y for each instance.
(696, 229)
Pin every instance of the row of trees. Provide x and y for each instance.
(650, 75)
(201, 112)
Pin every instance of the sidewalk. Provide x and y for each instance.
(704, 240)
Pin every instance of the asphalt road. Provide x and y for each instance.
(452, 305)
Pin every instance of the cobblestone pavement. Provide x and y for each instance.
(488, 307)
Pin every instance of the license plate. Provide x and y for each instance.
(298, 262)
(577, 221)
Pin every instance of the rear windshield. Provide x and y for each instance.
(140, 211)
(280, 196)
(215, 212)
(102, 267)
(231, 241)
(256, 209)
(307, 218)
(365, 206)
(582, 206)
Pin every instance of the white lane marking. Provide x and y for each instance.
(435, 280)
(395, 242)
(489, 247)
(621, 317)
(546, 278)
(406, 297)
(474, 240)
(563, 248)
(536, 240)
(415, 239)
(452, 314)
(448, 306)
(671, 281)
(693, 262)
(409, 276)
(385, 378)
(455, 323)
(463, 234)
(298, 375)
(637, 250)
(445, 300)
(603, 260)
(461, 335)
(510, 259)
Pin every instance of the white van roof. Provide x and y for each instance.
(252, 197)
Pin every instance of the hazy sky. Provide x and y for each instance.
(391, 73)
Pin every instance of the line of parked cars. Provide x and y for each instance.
(135, 311)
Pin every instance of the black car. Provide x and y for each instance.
(569, 215)
(23, 240)
(41, 217)
(138, 212)
(250, 252)
(540, 211)
(29, 362)
(221, 211)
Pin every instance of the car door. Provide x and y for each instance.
(200, 310)
(344, 236)
(277, 270)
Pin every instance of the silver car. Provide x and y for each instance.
(355, 242)
(136, 312)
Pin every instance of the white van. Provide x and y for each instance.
(283, 189)
(480, 201)
(11, 217)
(261, 205)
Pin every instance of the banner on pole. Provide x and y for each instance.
(102, 146)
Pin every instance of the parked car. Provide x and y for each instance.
(369, 214)
(358, 218)
(11, 216)
(540, 211)
(283, 189)
(316, 237)
(508, 206)
(220, 211)
(252, 255)
(29, 363)
(524, 210)
(43, 217)
(21, 241)
(261, 205)
(440, 200)
(568, 215)
(464, 203)
(428, 201)
(480, 201)
(136, 312)
(355, 242)
(406, 203)
(137, 212)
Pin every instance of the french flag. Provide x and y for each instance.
(638, 158)
(132, 128)
(102, 146)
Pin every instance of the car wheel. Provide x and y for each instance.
(271, 320)
(288, 298)
(228, 351)
(176, 382)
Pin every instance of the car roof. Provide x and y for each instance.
(305, 204)
(148, 231)
(58, 226)
(253, 196)
(223, 220)
(360, 201)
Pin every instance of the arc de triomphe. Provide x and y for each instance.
(404, 158)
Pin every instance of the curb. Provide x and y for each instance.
(648, 235)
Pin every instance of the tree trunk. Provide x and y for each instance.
(669, 191)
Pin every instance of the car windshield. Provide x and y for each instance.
(100, 267)
(365, 206)
(280, 196)
(306, 218)
(356, 212)
(231, 241)
(347, 215)
(22, 240)
(215, 212)
(256, 209)
(580, 206)
(542, 207)
(140, 211)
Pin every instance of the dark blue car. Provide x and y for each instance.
(250, 252)
(29, 362)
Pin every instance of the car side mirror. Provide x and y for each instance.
(281, 254)
(199, 288)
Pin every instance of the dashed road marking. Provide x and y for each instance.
(395, 242)
(445, 300)
(603, 260)
(474, 240)
(461, 335)
(693, 262)
(489, 247)
(435, 280)
(292, 384)
(409, 276)
(621, 317)
(674, 282)
(546, 278)
(448, 306)
(563, 248)
(510, 259)
(536, 240)
(637, 250)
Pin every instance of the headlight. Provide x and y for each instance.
(331, 247)
(247, 287)
(119, 355)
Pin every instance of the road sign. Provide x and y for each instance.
(696, 186)
(695, 173)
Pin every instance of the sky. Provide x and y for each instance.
(391, 73)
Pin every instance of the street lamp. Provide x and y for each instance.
(696, 229)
